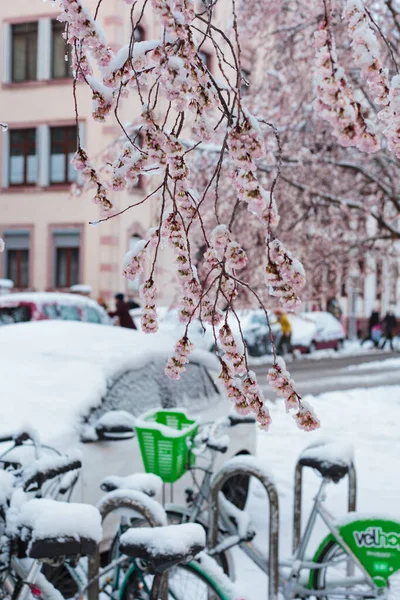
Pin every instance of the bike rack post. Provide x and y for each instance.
(248, 465)
(131, 500)
(298, 497)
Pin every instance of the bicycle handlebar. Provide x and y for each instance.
(36, 475)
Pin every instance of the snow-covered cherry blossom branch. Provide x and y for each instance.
(184, 107)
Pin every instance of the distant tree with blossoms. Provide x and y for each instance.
(187, 110)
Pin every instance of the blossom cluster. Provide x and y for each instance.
(89, 175)
(246, 394)
(366, 50)
(223, 247)
(283, 384)
(133, 263)
(85, 36)
(390, 115)
(232, 354)
(284, 274)
(176, 364)
(335, 101)
(147, 293)
(246, 145)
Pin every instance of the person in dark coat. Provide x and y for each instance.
(389, 324)
(122, 312)
(373, 321)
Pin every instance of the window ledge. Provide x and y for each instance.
(36, 83)
(22, 189)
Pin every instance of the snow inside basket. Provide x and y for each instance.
(163, 437)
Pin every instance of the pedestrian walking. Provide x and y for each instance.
(373, 322)
(284, 344)
(122, 313)
(389, 324)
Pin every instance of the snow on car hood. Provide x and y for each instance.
(53, 372)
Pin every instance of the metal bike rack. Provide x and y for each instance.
(113, 501)
(248, 465)
(298, 496)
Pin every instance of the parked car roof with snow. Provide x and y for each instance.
(35, 306)
(53, 373)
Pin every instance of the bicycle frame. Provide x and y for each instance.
(291, 585)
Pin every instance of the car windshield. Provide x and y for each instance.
(69, 312)
(14, 314)
(138, 391)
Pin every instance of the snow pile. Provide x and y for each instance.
(7, 481)
(148, 483)
(169, 540)
(43, 518)
(114, 419)
(126, 500)
(330, 452)
(53, 372)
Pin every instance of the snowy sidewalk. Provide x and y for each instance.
(369, 419)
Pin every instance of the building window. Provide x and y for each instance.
(245, 81)
(205, 58)
(67, 258)
(23, 159)
(60, 52)
(17, 258)
(62, 149)
(138, 33)
(24, 51)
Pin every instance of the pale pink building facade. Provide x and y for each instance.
(50, 244)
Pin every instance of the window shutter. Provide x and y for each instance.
(43, 153)
(5, 137)
(44, 49)
(6, 52)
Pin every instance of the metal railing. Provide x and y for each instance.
(246, 465)
(113, 501)
(298, 498)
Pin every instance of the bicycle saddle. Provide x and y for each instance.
(148, 483)
(331, 459)
(164, 547)
(42, 528)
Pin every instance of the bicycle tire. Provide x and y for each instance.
(185, 582)
(319, 578)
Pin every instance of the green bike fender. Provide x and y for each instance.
(196, 566)
(329, 538)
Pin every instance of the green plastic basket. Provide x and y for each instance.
(163, 437)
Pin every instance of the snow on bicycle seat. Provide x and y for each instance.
(148, 483)
(164, 547)
(48, 528)
(331, 459)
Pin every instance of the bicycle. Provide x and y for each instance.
(354, 561)
(38, 530)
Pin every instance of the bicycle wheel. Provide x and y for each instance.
(185, 582)
(334, 578)
(223, 559)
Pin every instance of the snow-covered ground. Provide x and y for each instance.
(369, 419)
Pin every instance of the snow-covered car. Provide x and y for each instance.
(256, 332)
(66, 380)
(37, 306)
(316, 331)
(329, 331)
